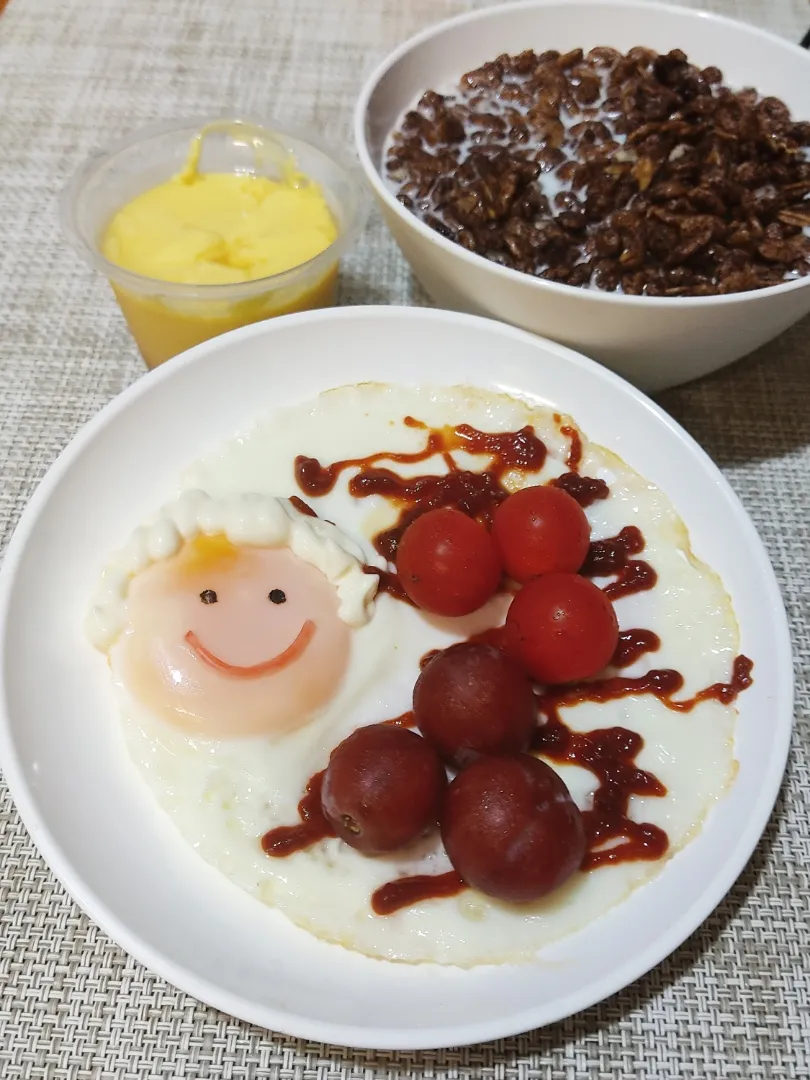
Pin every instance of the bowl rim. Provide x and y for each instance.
(232, 290)
(374, 177)
(355, 1035)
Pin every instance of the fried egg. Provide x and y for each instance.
(224, 792)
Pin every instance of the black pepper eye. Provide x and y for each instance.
(277, 596)
(208, 596)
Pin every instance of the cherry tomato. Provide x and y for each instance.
(448, 563)
(561, 628)
(541, 530)
(511, 828)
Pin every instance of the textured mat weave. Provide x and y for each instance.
(732, 1002)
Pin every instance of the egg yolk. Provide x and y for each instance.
(225, 640)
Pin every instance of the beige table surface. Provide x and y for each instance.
(733, 1001)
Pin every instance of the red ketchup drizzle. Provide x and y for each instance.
(407, 719)
(389, 583)
(313, 826)
(725, 693)
(302, 507)
(575, 449)
(427, 657)
(610, 755)
(585, 489)
(316, 479)
(612, 557)
(634, 644)
(475, 493)
(404, 891)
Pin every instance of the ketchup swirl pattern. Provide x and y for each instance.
(475, 493)
(612, 557)
(608, 753)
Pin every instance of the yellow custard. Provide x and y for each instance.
(224, 229)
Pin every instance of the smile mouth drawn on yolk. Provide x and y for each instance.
(266, 667)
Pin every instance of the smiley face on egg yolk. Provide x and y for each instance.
(226, 640)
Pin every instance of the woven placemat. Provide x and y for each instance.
(732, 1002)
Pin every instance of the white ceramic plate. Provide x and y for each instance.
(89, 812)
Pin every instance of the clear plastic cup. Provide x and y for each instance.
(165, 317)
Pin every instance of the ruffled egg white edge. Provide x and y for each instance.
(259, 520)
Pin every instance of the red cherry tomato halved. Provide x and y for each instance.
(561, 628)
(448, 563)
(541, 530)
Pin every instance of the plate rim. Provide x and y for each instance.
(355, 1035)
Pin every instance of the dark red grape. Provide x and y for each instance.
(471, 700)
(511, 828)
(383, 788)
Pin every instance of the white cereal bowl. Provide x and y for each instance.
(93, 818)
(653, 342)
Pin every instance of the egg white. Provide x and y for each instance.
(224, 795)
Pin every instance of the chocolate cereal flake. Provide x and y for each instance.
(636, 173)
